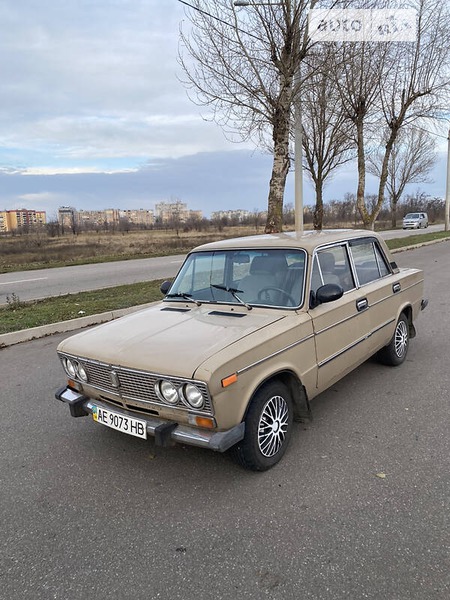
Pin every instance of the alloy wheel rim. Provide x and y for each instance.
(401, 339)
(273, 426)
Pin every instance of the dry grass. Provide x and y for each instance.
(37, 250)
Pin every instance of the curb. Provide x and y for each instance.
(419, 245)
(26, 335)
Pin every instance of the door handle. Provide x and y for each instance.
(396, 287)
(362, 304)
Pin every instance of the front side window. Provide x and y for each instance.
(254, 277)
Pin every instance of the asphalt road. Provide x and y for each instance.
(42, 283)
(89, 513)
(32, 285)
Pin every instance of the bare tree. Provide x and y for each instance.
(327, 139)
(241, 63)
(417, 84)
(390, 85)
(411, 159)
(358, 86)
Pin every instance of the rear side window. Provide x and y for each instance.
(369, 262)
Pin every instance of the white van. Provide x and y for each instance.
(415, 220)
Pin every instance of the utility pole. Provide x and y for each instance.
(447, 192)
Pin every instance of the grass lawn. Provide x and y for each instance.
(19, 315)
(420, 238)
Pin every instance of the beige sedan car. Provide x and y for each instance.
(248, 333)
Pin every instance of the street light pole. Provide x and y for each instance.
(298, 157)
(447, 192)
(298, 134)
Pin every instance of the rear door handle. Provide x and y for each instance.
(396, 287)
(362, 304)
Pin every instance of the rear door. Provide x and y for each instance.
(378, 286)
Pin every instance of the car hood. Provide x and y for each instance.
(168, 339)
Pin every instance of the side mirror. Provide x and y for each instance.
(327, 293)
(165, 287)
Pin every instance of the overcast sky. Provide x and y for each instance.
(93, 115)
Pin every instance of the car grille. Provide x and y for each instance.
(137, 386)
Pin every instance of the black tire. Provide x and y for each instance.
(395, 352)
(268, 428)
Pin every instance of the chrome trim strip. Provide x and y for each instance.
(350, 346)
(383, 326)
(356, 314)
(337, 354)
(382, 299)
(261, 360)
(395, 294)
(412, 285)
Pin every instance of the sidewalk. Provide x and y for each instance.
(25, 335)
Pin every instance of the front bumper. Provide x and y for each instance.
(411, 225)
(163, 431)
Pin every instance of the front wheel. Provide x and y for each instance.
(268, 428)
(395, 352)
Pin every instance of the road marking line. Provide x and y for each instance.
(23, 281)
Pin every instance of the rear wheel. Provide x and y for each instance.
(268, 428)
(395, 352)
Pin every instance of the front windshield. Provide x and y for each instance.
(248, 277)
(412, 216)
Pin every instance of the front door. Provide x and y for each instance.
(342, 327)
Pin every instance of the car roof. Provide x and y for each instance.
(308, 240)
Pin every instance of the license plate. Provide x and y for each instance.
(122, 423)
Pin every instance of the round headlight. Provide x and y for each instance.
(168, 392)
(71, 367)
(82, 372)
(193, 395)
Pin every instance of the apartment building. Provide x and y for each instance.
(138, 217)
(233, 215)
(98, 218)
(166, 212)
(12, 220)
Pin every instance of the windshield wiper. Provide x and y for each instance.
(233, 292)
(185, 296)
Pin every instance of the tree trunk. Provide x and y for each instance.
(360, 192)
(280, 170)
(318, 210)
(384, 175)
(393, 213)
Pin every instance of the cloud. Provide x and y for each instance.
(71, 171)
(94, 116)
(87, 80)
